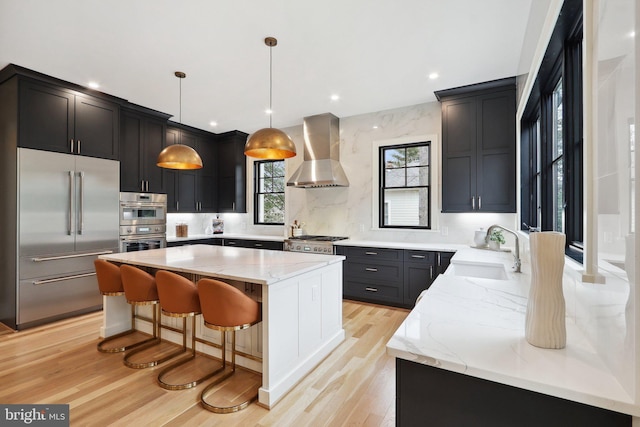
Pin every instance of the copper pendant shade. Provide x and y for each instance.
(270, 143)
(179, 156)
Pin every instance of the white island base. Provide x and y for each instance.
(301, 297)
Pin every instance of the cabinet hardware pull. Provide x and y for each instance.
(233, 206)
(78, 146)
(371, 253)
(142, 185)
(473, 203)
(177, 205)
(371, 269)
(60, 279)
(371, 289)
(439, 260)
(418, 256)
(431, 271)
(54, 258)
(258, 245)
(479, 202)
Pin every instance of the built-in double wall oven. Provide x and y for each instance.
(143, 221)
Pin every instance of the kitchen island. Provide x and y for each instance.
(462, 359)
(301, 297)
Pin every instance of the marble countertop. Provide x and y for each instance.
(475, 326)
(225, 236)
(243, 264)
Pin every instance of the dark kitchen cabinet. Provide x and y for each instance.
(213, 242)
(54, 115)
(232, 186)
(142, 137)
(479, 147)
(443, 259)
(193, 190)
(389, 276)
(55, 118)
(419, 272)
(447, 398)
(373, 274)
(253, 244)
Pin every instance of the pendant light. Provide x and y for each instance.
(179, 156)
(270, 143)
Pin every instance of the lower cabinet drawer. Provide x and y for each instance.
(383, 293)
(371, 271)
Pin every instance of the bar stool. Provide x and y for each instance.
(179, 298)
(110, 284)
(140, 289)
(226, 308)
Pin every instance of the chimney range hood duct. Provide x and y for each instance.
(321, 166)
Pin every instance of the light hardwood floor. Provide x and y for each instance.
(59, 363)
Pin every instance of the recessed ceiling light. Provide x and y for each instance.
(93, 85)
(632, 34)
(375, 126)
(268, 111)
(335, 97)
(213, 123)
(433, 76)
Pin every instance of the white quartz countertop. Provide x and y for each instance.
(225, 236)
(249, 265)
(475, 326)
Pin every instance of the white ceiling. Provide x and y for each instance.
(375, 54)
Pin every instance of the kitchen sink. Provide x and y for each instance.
(480, 270)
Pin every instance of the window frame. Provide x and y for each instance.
(382, 204)
(562, 63)
(257, 193)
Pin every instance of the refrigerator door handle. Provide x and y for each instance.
(53, 258)
(70, 211)
(60, 279)
(81, 203)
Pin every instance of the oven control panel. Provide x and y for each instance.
(128, 230)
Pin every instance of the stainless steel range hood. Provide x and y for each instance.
(321, 166)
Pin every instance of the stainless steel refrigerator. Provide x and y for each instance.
(67, 216)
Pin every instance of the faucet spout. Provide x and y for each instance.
(517, 263)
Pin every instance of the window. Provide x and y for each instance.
(269, 192)
(405, 186)
(556, 159)
(551, 138)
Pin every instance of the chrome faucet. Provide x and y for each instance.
(518, 263)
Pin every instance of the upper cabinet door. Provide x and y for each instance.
(96, 127)
(46, 117)
(459, 130)
(496, 161)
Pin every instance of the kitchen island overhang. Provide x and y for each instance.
(301, 297)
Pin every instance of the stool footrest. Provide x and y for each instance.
(187, 385)
(142, 365)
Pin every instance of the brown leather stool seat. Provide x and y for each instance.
(110, 284)
(226, 308)
(179, 298)
(140, 289)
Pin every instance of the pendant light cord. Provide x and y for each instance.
(270, 85)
